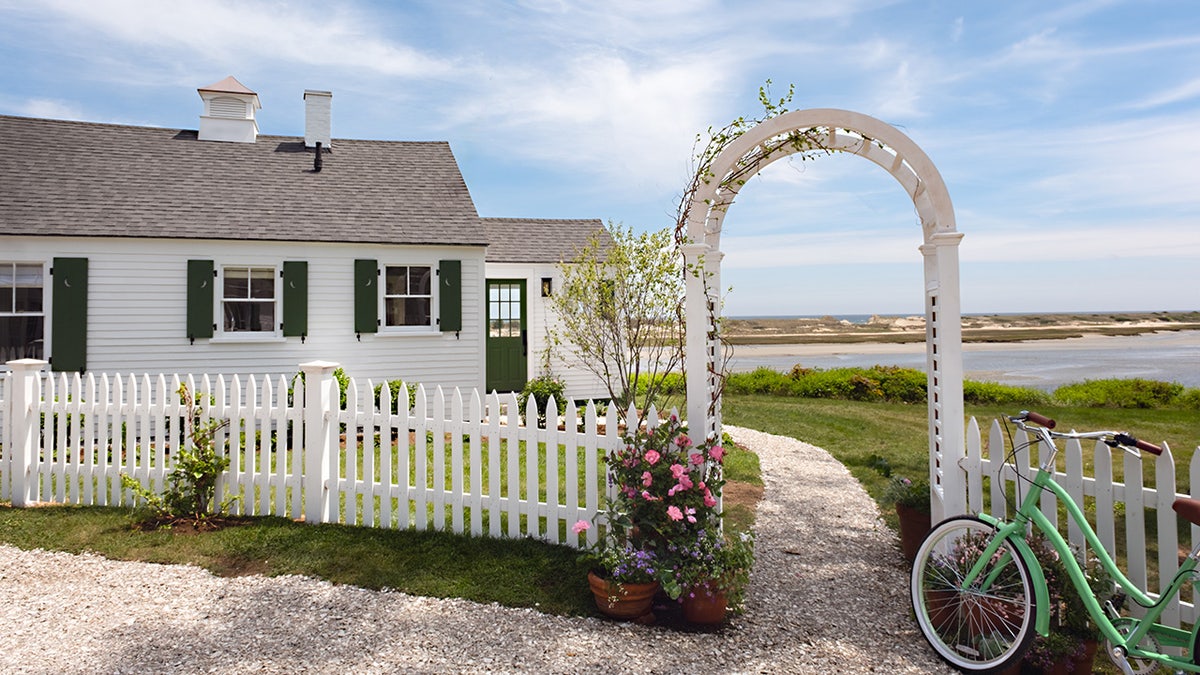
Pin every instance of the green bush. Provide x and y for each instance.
(397, 386)
(541, 388)
(992, 393)
(891, 384)
(1113, 393)
(671, 383)
(1189, 400)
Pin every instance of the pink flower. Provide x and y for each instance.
(674, 513)
(683, 441)
(647, 479)
(581, 526)
(696, 459)
(685, 483)
(691, 515)
(649, 497)
(709, 501)
(652, 457)
(716, 452)
(678, 470)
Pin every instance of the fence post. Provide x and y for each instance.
(320, 441)
(23, 405)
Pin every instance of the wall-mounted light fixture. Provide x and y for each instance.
(547, 286)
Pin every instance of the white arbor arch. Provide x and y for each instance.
(883, 144)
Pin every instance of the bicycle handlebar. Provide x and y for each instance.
(1126, 439)
(1112, 438)
(1038, 419)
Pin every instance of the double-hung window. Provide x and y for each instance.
(408, 296)
(248, 299)
(22, 316)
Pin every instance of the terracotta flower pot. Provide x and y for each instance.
(704, 604)
(622, 601)
(914, 525)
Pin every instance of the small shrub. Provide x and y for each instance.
(542, 388)
(396, 387)
(191, 487)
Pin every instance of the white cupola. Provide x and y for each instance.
(228, 112)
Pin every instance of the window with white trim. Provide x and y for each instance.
(22, 315)
(249, 299)
(408, 296)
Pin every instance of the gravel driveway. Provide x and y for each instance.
(828, 595)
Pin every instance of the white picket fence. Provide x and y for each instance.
(456, 462)
(1147, 490)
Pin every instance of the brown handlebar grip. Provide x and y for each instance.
(1148, 447)
(1040, 419)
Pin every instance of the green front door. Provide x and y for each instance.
(507, 338)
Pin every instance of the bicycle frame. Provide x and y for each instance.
(1029, 513)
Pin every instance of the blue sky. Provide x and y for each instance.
(1068, 133)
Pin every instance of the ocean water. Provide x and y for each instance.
(1042, 364)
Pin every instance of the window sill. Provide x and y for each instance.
(246, 338)
(416, 332)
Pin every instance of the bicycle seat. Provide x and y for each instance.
(1188, 509)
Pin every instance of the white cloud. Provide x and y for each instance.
(1184, 92)
(54, 109)
(235, 33)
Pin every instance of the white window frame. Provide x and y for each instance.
(432, 328)
(45, 313)
(223, 335)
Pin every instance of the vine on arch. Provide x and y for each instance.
(807, 143)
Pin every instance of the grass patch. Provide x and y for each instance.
(511, 572)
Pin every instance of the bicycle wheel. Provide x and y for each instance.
(986, 626)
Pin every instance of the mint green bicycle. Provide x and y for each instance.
(979, 593)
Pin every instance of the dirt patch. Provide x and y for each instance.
(737, 493)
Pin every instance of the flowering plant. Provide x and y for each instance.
(621, 562)
(913, 494)
(711, 563)
(666, 486)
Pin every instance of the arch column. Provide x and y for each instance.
(943, 363)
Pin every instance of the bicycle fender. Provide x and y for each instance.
(1042, 624)
(1041, 592)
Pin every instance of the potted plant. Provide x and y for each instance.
(1073, 641)
(623, 578)
(709, 574)
(665, 494)
(911, 500)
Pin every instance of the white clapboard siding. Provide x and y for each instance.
(1133, 497)
(137, 311)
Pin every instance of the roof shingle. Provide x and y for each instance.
(88, 179)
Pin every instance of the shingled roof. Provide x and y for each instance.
(87, 179)
(539, 240)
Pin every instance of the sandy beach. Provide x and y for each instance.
(1089, 341)
(1042, 364)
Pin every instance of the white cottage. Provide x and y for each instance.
(138, 249)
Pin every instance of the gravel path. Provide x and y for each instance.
(828, 595)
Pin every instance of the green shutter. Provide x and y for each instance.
(68, 336)
(200, 283)
(366, 296)
(450, 295)
(295, 298)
